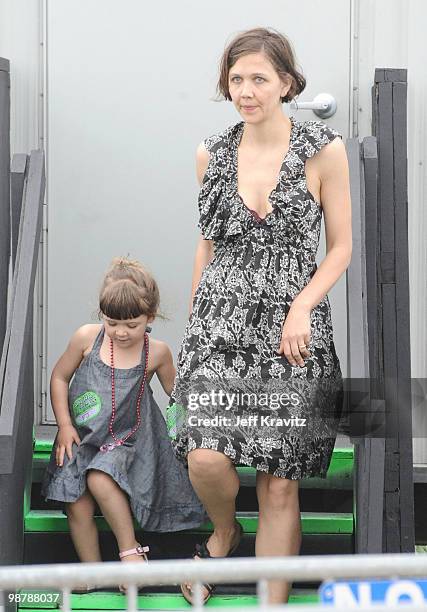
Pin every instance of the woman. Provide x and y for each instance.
(260, 325)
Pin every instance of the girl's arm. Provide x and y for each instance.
(165, 370)
(62, 372)
(204, 249)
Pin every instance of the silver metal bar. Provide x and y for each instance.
(353, 115)
(66, 599)
(262, 593)
(197, 589)
(317, 567)
(132, 598)
(44, 135)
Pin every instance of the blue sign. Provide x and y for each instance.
(363, 593)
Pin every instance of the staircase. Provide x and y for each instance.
(327, 524)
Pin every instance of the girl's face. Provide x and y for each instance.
(128, 332)
(256, 88)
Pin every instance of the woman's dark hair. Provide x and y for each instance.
(275, 46)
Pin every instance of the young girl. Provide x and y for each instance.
(112, 445)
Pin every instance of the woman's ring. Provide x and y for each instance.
(301, 345)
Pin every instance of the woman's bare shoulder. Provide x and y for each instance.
(202, 161)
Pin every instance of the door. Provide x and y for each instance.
(129, 97)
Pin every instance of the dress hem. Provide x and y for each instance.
(274, 470)
(147, 517)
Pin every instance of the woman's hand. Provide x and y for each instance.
(296, 333)
(66, 436)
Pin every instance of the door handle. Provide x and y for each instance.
(324, 105)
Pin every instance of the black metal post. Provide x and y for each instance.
(394, 364)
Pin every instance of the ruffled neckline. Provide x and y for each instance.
(237, 137)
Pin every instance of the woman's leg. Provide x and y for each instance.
(216, 483)
(279, 525)
(83, 529)
(115, 508)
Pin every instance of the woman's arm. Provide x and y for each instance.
(336, 204)
(204, 249)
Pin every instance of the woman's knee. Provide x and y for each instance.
(278, 493)
(205, 463)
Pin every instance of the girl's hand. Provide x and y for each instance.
(296, 332)
(66, 436)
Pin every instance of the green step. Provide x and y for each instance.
(312, 522)
(43, 446)
(340, 473)
(167, 601)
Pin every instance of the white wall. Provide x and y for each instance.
(20, 43)
(389, 33)
(129, 98)
(392, 34)
(21, 38)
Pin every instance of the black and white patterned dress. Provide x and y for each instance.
(232, 336)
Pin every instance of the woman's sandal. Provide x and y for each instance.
(202, 551)
(140, 551)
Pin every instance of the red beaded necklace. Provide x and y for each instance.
(119, 441)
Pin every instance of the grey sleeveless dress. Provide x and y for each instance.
(278, 418)
(160, 493)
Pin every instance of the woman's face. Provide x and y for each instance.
(256, 88)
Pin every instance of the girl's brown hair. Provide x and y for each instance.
(128, 291)
(275, 46)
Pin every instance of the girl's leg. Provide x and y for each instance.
(279, 525)
(216, 483)
(83, 529)
(114, 504)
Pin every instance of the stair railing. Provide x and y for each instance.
(16, 366)
(4, 192)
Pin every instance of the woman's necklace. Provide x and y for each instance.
(119, 441)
